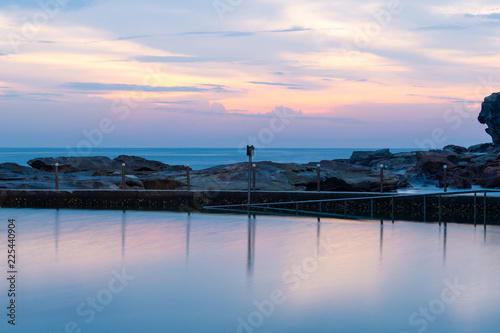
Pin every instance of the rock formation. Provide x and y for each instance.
(490, 115)
(476, 165)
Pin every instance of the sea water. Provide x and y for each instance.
(197, 158)
(143, 271)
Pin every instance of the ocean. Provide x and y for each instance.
(197, 158)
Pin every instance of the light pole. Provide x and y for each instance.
(250, 153)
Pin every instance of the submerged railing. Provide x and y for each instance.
(458, 206)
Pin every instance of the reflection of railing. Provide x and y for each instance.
(460, 206)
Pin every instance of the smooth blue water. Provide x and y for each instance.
(228, 273)
(197, 158)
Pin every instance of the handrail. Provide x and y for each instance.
(358, 198)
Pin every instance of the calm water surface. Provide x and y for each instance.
(140, 271)
(197, 158)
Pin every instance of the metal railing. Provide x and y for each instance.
(317, 207)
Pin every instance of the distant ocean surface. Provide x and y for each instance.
(197, 158)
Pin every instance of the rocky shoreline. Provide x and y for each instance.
(475, 165)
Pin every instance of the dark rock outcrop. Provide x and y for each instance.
(136, 163)
(369, 158)
(13, 171)
(490, 176)
(455, 149)
(394, 162)
(490, 115)
(481, 148)
(74, 164)
(477, 165)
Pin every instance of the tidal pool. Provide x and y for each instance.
(150, 271)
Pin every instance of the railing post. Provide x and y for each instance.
(320, 206)
(381, 178)
(319, 177)
(296, 208)
(440, 209)
(188, 178)
(484, 214)
(345, 208)
(445, 183)
(392, 213)
(425, 208)
(371, 203)
(475, 209)
(57, 176)
(123, 176)
(253, 175)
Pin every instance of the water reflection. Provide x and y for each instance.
(318, 234)
(444, 243)
(124, 224)
(251, 247)
(56, 232)
(381, 239)
(188, 230)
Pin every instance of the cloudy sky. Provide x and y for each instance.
(222, 73)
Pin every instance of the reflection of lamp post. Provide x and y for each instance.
(57, 176)
(445, 168)
(123, 175)
(381, 178)
(250, 153)
(319, 176)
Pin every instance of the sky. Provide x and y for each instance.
(85, 74)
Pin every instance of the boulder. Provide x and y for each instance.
(13, 171)
(490, 177)
(490, 115)
(132, 181)
(429, 166)
(270, 176)
(74, 164)
(455, 149)
(136, 163)
(368, 158)
(481, 148)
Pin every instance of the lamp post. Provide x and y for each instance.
(445, 169)
(250, 153)
(188, 178)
